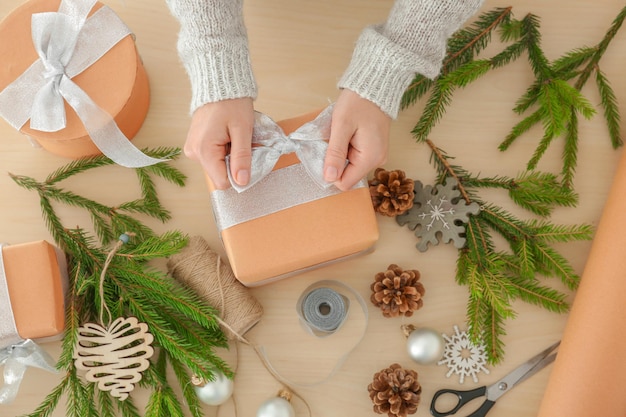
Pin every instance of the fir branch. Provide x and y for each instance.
(434, 110)
(542, 296)
(463, 46)
(76, 167)
(610, 108)
(531, 36)
(496, 278)
(182, 325)
(600, 49)
(550, 99)
(538, 192)
(105, 402)
(187, 389)
(467, 43)
(128, 408)
(570, 151)
(520, 128)
(163, 401)
(559, 102)
(569, 62)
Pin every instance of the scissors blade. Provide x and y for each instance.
(522, 372)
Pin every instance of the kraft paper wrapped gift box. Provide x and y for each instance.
(36, 280)
(287, 223)
(115, 79)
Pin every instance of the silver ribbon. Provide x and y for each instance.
(323, 310)
(16, 354)
(8, 330)
(348, 328)
(16, 359)
(67, 43)
(280, 190)
(308, 143)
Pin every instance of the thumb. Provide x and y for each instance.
(240, 154)
(337, 152)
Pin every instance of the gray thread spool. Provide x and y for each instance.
(324, 309)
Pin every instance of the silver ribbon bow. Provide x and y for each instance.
(16, 359)
(308, 143)
(67, 43)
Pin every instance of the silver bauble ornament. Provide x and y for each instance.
(276, 407)
(214, 392)
(425, 346)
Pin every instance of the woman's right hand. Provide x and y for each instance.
(218, 129)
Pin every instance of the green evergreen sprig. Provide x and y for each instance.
(553, 100)
(185, 329)
(497, 277)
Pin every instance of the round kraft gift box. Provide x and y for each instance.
(117, 82)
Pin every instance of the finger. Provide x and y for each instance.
(211, 157)
(214, 164)
(240, 153)
(337, 152)
(359, 167)
(352, 174)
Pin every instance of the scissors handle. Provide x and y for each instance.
(464, 397)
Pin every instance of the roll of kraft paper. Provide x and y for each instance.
(589, 375)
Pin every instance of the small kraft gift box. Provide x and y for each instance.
(33, 276)
(72, 79)
(287, 219)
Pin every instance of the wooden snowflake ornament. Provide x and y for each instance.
(438, 214)
(114, 357)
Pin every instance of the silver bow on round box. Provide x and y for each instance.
(308, 143)
(68, 42)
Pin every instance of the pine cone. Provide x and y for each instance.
(397, 292)
(392, 193)
(395, 391)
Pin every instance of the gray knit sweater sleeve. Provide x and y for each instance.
(412, 41)
(213, 46)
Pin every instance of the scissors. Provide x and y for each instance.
(498, 389)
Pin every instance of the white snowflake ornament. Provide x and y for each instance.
(438, 214)
(463, 357)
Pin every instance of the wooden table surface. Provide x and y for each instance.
(299, 50)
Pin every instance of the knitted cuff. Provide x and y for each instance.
(381, 70)
(220, 74)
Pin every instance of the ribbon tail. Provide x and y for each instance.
(17, 359)
(13, 375)
(102, 129)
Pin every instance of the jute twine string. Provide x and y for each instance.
(201, 269)
(124, 238)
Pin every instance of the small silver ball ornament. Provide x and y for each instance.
(425, 346)
(214, 392)
(276, 407)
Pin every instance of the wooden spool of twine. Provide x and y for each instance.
(201, 269)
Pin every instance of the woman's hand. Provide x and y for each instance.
(359, 133)
(218, 129)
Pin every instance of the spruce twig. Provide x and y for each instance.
(185, 330)
(558, 103)
(493, 276)
(554, 99)
(496, 278)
